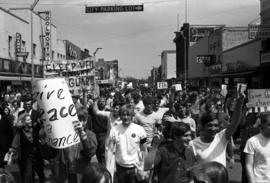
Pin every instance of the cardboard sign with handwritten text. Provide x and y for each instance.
(259, 97)
(57, 112)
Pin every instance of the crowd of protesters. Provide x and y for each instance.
(140, 135)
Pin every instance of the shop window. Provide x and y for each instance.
(6, 67)
(9, 45)
(218, 43)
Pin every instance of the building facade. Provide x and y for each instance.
(106, 72)
(205, 57)
(240, 64)
(15, 50)
(168, 64)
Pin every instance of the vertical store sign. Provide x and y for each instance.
(47, 44)
(18, 43)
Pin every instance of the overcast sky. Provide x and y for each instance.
(136, 39)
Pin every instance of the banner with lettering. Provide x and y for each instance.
(259, 100)
(79, 74)
(58, 112)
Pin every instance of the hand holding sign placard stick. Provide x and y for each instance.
(58, 112)
(243, 88)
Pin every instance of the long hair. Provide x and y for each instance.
(211, 172)
(94, 172)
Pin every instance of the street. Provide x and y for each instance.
(234, 174)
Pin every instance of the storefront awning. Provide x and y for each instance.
(235, 74)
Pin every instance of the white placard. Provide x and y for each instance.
(178, 87)
(162, 85)
(243, 88)
(57, 112)
(224, 90)
(259, 97)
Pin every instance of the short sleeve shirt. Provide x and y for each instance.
(147, 121)
(213, 151)
(127, 143)
(259, 147)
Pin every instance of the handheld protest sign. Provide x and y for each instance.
(162, 85)
(224, 90)
(57, 112)
(178, 87)
(259, 100)
(243, 88)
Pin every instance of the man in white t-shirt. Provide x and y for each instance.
(129, 139)
(147, 119)
(211, 144)
(257, 151)
(160, 111)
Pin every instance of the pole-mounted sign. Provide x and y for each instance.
(109, 9)
(47, 43)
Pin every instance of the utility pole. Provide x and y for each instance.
(185, 62)
(32, 7)
(32, 46)
(94, 57)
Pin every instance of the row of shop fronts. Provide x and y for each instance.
(211, 55)
(17, 55)
(225, 56)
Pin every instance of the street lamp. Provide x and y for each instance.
(32, 46)
(94, 54)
